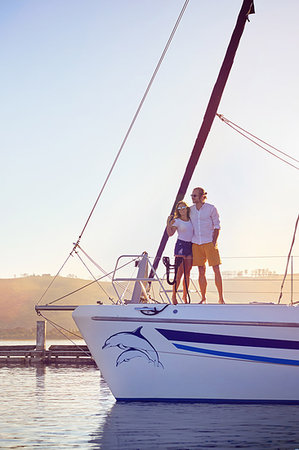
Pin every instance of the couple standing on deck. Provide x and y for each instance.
(198, 229)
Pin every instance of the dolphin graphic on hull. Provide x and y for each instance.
(127, 355)
(133, 341)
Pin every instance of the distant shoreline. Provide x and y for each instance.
(18, 297)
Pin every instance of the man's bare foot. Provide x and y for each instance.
(203, 301)
(221, 301)
(174, 300)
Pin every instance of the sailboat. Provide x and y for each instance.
(152, 350)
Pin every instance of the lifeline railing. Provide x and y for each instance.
(142, 282)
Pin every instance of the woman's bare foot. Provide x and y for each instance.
(174, 300)
(202, 301)
(221, 301)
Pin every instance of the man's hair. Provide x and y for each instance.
(202, 191)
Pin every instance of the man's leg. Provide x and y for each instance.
(202, 281)
(218, 282)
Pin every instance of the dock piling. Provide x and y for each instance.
(38, 354)
(40, 335)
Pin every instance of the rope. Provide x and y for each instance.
(135, 115)
(178, 261)
(93, 262)
(288, 260)
(89, 271)
(125, 138)
(242, 132)
(92, 282)
(152, 312)
(256, 257)
(171, 267)
(52, 281)
(101, 269)
(59, 328)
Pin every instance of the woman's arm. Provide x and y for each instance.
(170, 228)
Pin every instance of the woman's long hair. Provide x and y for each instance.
(177, 214)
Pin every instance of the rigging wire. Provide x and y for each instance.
(125, 138)
(288, 259)
(246, 134)
(52, 281)
(256, 257)
(135, 115)
(59, 328)
(92, 282)
(99, 267)
(89, 271)
(93, 262)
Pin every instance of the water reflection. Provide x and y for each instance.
(40, 371)
(186, 426)
(50, 407)
(72, 407)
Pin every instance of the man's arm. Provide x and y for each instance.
(215, 235)
(216, 223)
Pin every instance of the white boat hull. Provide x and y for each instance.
(220, 353)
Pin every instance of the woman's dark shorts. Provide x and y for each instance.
(183, 248)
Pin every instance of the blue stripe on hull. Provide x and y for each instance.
(265, 359)
(210, 400)
(243, 341)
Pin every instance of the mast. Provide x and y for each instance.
(246, 9)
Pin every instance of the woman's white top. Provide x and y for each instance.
(184, 229)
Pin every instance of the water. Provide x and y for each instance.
(72, 407)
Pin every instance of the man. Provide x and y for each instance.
(206, 225)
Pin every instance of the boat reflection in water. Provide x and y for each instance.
(184, 425)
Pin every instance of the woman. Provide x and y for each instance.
(183, 247)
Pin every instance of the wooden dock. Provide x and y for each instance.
(56, 354)
(38, 354)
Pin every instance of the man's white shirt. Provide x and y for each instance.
(204, 221)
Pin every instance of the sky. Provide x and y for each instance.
(72, 76)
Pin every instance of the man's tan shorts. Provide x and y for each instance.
(205, 252)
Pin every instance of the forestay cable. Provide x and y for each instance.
(125, 138)
(135, 115)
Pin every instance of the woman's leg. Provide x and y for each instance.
(177, 284)
(188, 267)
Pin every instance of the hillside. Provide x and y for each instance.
(18, 297)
